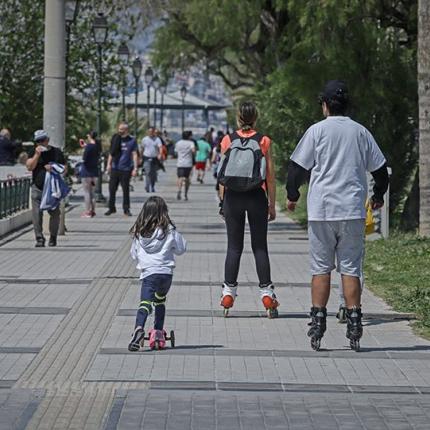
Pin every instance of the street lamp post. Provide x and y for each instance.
(137, 72)
(183, 95)
(156, 86)
(100, 29)
(163, 89)
(123, 54)
(71, 13)
(148, 79)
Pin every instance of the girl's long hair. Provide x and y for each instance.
(247, 115)
(153, 215)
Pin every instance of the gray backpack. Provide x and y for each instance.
(243, 166)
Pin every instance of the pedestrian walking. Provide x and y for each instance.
(7, 148)
(203, 155)
(151, 152)
(39, 163)
(247, 188)
(185, 150)
(89, 172)
(336, 153)
(155, 244)
(122, 165)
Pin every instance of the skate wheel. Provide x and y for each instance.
(272, 313)
(315, 343)
(355, 345)
(226, 311)
(172, 338)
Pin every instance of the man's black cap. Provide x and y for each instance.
(335, 90)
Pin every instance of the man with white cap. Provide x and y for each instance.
(38, 164)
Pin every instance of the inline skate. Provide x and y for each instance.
(318, 326)
(270, 302)
(228, 296)
(354, 327)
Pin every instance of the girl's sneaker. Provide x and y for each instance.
(137, 340)
(93, 214)
(86, 215)
(157, 339)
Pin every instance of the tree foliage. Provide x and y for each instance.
(21, 71)
(282, 51)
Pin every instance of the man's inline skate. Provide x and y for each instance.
(228, 296)
(318, 326)
(354, 327)
(270, 302)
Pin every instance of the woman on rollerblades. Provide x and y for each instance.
(155, 244)
(247, 188)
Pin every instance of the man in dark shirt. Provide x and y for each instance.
(121, 165)
(7, 148)
(38, 164)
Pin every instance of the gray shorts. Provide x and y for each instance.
(340, 241)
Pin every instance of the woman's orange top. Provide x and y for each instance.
(264, 143)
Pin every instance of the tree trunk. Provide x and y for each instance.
(424, 113)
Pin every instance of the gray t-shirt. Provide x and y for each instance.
(339, 151)
(184, 149)
(150, 146)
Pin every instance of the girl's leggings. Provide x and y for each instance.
(236, 206)
(153, 293)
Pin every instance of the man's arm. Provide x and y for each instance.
(109, 163)
(135, 163)
(297, 176)
(382, 181)
(32, 162)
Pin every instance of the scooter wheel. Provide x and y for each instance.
(315, 343)
(156, 345)
(226, 311)
(172, 338)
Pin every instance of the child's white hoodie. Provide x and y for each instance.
(156, 254)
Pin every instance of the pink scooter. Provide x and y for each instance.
(157, 339)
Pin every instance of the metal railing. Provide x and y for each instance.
(14, 196)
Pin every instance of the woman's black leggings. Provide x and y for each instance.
(236, 205)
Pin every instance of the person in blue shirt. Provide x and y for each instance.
(122, 165)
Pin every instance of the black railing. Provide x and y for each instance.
(14, 196)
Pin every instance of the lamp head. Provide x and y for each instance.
(100, 29)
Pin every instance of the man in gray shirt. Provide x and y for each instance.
(336, 153)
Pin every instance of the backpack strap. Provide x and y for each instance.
(233, 136)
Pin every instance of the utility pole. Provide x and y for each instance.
(54, 89)
(54, 84)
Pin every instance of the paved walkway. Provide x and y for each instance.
(66, 316)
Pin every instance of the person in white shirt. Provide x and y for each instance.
(151, 151)
(185, 150)
(336, 153)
